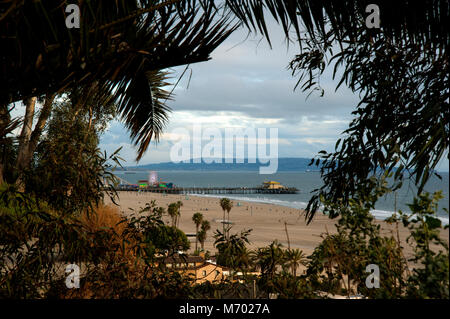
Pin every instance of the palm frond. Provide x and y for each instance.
(118, 45)
(143, 108)
(420, 22)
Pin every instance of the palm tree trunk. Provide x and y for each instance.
(223, 222)
(29, 139)
(5, 119)
(228, 220)
(287, 235)
(196, 237)
(43, 117)
(178, 216)
(23, 154)
(25, 135)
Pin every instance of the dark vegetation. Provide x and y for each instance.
(52, 172)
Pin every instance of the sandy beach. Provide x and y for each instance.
(266, 220)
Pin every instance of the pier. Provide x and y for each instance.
(270, 187)
(209, 190)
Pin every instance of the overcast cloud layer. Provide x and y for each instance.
(248, 85)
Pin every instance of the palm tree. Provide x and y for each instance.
(269, 258)
(226, 205)
(173, 211)
(316, 15)
(203, 233)
(121, 47)
(178, 214)
(228, 210)
(232, 249)
(295, 258)
(197, 218)
(206, 225)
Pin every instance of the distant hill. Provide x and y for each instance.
(284, 164)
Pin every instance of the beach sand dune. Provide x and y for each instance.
(267, 221)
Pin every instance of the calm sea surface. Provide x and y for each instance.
(304, 181)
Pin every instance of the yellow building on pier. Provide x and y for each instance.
(273, 185)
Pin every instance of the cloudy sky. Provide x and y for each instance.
(247, 85)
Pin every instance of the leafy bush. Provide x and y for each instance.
(232, 251)
(338, 264)
(33, 239)
(431, 278)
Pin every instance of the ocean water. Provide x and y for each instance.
(304, 181)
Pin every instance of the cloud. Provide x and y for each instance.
(247, 85)
(254, 80)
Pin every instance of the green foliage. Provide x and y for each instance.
(152, 236)
(401, 124)
(131, 269)
(226, 204)
(278, 271)
(69, 170)
(269, 259)
(431, 278)
(399, 71)
(421, 24)
(341, 259)
(197, 218)
(201, 235)
(33, 241)
(8, 145)
(232, 251)
(174, 211)
(37, 243)
(295, 258)
(227, 289)
(121, 47)
(287, 286)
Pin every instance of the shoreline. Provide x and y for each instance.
(378, 214)
(267, 220)
(303, 181)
